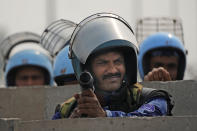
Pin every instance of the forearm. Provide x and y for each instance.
(156, 107)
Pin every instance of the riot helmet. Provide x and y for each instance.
(28, 54)
(165, 42)
(103, 31)
(24, 49)
(55, 39)
(17, 38)
(57, 35)
(63, 70)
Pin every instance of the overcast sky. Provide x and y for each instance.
(35, 15)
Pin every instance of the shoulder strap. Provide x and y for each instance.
(134, 93)
(140, 95)
(137, 91)
(67, 107)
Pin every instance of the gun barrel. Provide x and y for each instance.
(86, 80)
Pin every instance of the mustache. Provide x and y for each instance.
(110, 75)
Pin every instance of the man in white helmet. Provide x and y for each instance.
(104, 45)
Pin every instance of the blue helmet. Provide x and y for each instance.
(63, 70)
(158, 41)
(100, 32)
(28, 57)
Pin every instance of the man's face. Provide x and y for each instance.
(29, 76)
(170, 63)
(109, 70)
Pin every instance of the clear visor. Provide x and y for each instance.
(96, 30)
(56, 35)
(16, 39)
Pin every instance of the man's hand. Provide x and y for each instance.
(88, 104)
(158, 74)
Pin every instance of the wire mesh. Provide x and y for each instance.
(149, 25)
(57, 35)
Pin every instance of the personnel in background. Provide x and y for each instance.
(63, 70)
(55, 39)
(162, 57)
(105, 46)
(28, 65)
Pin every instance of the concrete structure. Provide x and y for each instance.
(175, 123)
(35, 106)
(33, 103)
(184, 94)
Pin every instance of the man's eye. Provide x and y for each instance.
(36, 77)
(172, 66)
(118, 62)
(101, 63)
(23, 78)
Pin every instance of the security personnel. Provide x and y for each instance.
(28, 65)
(63, 70)
(105, 46)
(162, 57)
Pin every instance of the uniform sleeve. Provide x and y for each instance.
(56, 116)
(156, 107)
